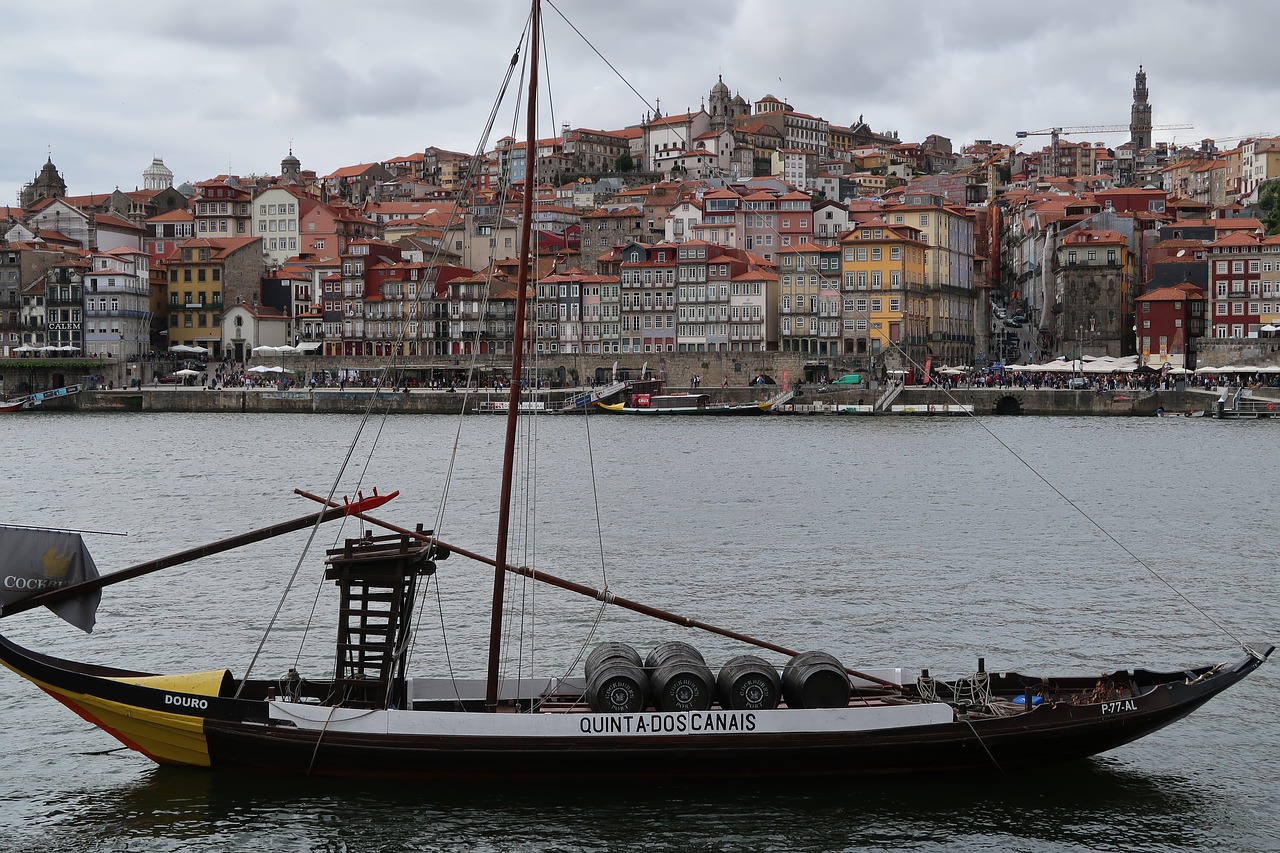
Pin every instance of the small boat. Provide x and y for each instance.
(653, 718)
(39, 398)
(681, 404)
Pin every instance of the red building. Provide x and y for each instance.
(1169, 320)
(1235, 276)
(1133, 199)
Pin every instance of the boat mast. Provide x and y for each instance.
(517, 364)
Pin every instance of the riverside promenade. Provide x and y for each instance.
(985, 401)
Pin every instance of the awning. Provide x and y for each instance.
(309, 346)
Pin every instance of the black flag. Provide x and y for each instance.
(36, 561)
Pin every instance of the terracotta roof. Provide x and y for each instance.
(1176, 293)
(179, 215)
(115, 222)
(351, 171)
(1089, 236)
(1237, 238)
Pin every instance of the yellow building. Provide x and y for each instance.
(206, 276)
(949, 280)
(884, 307)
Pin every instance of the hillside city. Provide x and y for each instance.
(738, 227)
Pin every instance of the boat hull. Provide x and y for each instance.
(194, 720)
(730, 409)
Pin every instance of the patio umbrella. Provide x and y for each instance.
(260, 368)
(265, 350)
(24, 348)
(198, 349)
(186, 372)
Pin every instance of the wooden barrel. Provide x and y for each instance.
(679, 678)
(617, 687)
(671, 650)
(748, 683)
(815, 680)
(610, 653)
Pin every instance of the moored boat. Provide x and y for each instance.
(681, 404)
(37, 399)
(666, 715)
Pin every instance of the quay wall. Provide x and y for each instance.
(985, 401)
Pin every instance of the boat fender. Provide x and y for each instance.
(1022, 700)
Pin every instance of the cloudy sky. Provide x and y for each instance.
(230, 85)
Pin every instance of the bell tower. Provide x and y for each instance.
(1140, 116)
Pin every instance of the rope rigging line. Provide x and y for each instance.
(826, 278)
(368, 411)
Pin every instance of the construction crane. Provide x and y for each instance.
(1056, 132)
(1261, 134)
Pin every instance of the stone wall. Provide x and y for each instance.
(1219, 352)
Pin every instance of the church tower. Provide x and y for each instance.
(291, 170)
(157, 176)
(1140, 117)
(47, 184)
(720, 105)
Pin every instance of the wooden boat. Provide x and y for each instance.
(681, 404)
(661, 717)
(39, 398)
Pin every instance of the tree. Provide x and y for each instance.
(624, 163)
(1269, 205)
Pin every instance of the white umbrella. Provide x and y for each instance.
(179, 348)
(261, 368)
(1270, 328)
(265, 350)
(24, 348)
(186, 372)
(286, 349)
(198, 349)
(279, 369)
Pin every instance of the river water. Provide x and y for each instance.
(885, 541)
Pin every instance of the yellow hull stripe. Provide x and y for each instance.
(162, 736)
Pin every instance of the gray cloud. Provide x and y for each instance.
(232, 84)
